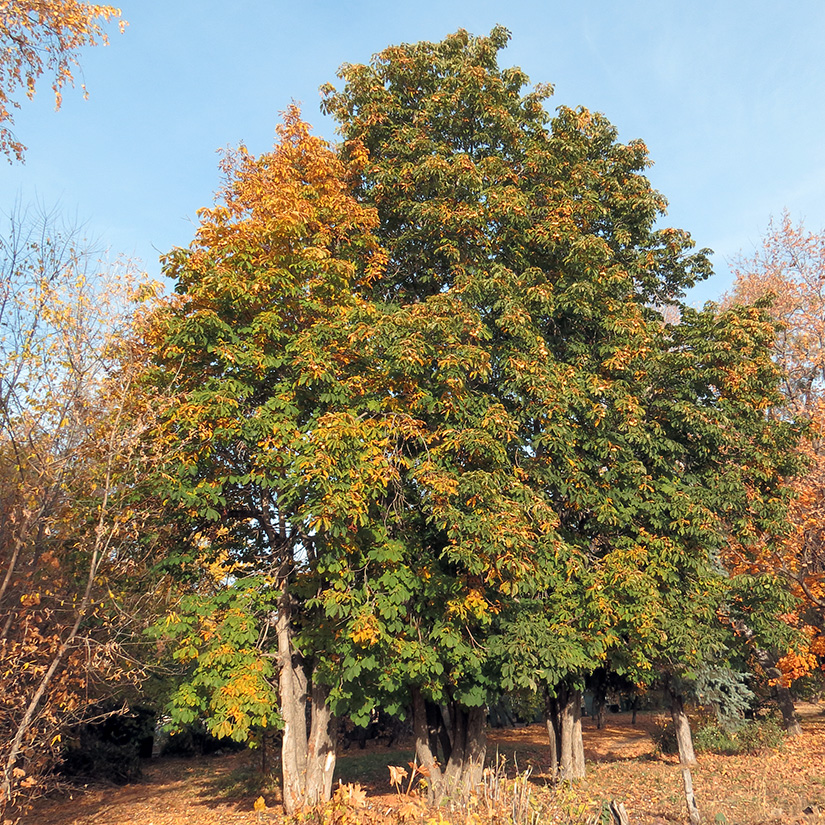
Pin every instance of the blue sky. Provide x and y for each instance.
(728, 95)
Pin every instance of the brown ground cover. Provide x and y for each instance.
(782, 786)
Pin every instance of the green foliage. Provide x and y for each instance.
(727, 693)
(748, 737)
(426, 389)
(218, 640)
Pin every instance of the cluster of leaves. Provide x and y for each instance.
(43, 36)
(786, 276)
(224, 635)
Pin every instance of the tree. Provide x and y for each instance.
(37, 37)
(787, 275)
(619, 451)
(274, 465)
(70, 518)
(427, 403)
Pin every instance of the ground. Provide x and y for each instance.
(782, 786)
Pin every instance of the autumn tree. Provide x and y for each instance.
(787, 275)
(68, 472)
(276, 462)
(40, 37)
(430, 426)
(581, 461)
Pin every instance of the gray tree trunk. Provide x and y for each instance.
(578, 742)
(789, 718)
(468, 738)
(687, 756)
(292, 685)
(424, 753)
(684, 739)
(553, 725)
(320, 748)
(461, 732)
(571, 757)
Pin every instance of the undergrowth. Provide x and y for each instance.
(746, 737)
(500, 799)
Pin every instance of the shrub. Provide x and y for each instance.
(664, 736)
(747, 737)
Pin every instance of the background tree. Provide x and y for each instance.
(42, 37)
(70, 518)
(787, 275)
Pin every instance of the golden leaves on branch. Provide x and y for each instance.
(43, 37)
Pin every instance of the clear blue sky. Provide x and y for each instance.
(728, 95)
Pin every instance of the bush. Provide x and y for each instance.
(664, 736)
(710, 736)
(747, 737)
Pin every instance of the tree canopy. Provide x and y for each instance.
(433, 434)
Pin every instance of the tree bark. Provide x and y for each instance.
(578, 742)
(321, 748)
(682, 725)
(789, 718)
(424, 754)
(468, 738)
(292, 684)
(572, 748)
(599, 687)
(461, 732)
(690, 798)
(687, 757)
(553, 724)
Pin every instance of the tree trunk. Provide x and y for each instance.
(690, 799)
(682, 725)
(424, 752)
(789, 718)
(687, 757)
(468, 738)
(553, 724)
(321, 748)
(292, 684)
(578, 742)
(462, 734)
(598, 685)
(572, 748)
